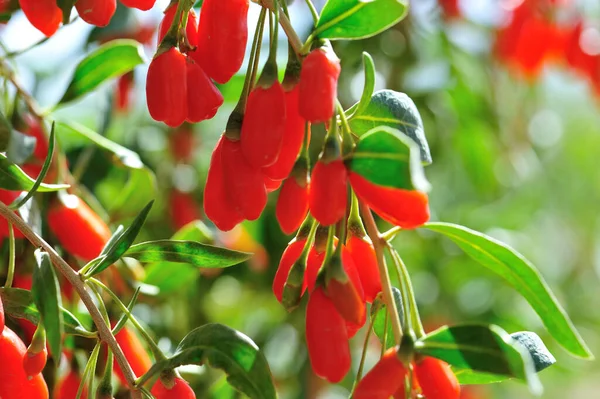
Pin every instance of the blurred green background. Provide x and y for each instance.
(517, 159)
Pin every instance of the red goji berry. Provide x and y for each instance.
(68, 385)
(436, 379)
(451, 8)
(363, 254)
(532, 47)
(184, 208)
(292, 204)
(328, 193)
(14, 383)
(288, 258)
(34, 363)
(34, 129)
(326, 338)
(583, 63)
(264, 125)
(293, 137)
(385, 378)
(405, 208)
(191, 29)
(180, 390)
(342, 286)
(134, 352)
(96, 12)
(166, 88)
(218, 207)
(245, 184)
(123, 92)
(7, 197)
(182, 143)
(313, 266)
(143, 5)
(203, 97)
(44, 15)
(271, 185)
(222, 38)
(24, 281)
(77, 227)
(318, 85)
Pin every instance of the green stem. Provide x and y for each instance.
(88, 372)
(391, 233)
(313, 11)
(11, 256)
(347, 140)
(363, 355)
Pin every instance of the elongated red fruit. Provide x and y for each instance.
(288, 258)
(67, 387)
(222, 38)
(184, 208)
(328, 193)
(143, 5)
(363, 254)
(134, 352)
(180, 390)
(7, 198)
(166, 88)
(436, 379)
(292, 204)
(244, 183)
(34, 363)
(14, 383)
(34, 129)
(123, 92)
(203, 97)
(217, 205)
(384, 379)
(78, 228)
(270, 184)
(345, 291)
(96, 12)
(191, 29)
(44, 15)
(264, 125)
(318, 85)
(326, 338)
(405, 208)
(293, 137)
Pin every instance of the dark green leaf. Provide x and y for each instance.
(542, 358)
(396, 110)
(521, 275)
(229, 350)
(19, 304)
(482, 348)
(365, 99)
(121, 244)
(109, 61)
(386, 157)
(194, 231)
(13, 178)
(46, 296)
(357, 19)
(193, 253)
(378, 316)
(66, 7)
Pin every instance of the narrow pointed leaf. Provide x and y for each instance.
(378, 315)
(13, 178)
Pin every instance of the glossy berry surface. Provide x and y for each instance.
(180, 390)
(436, 379)
(384, 379)
(318, 85)
(134, 352)
(328, 192)
(34, 363)
(96, 12)
(143, 5)
(363, 254)
(68, 385)
(44, 15)
(288, 258)
(292, 204)
(191, 29)
(203, 97)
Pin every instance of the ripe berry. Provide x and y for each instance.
(385, 378)
(77, 227)
(363, 254)
(143, 5)
(166, 88)
(290, 256)
(123, 92)
(96, 12)
(218, 207)
(436, 379)
(34, 129)
(14, 383)
(318, 85)
(405, 208)
(34, 363)
(7, 197)
(293, 137)
(264, 125)
(134, 352)
(184, 208)
(292, 204)
(270, 184)
(342, 286)
(328, 192)
(67, 387)
(244, 183)
(180, 390)
(326, 338)
(44, 15)
(222, 38)
(182, 143)
(203, 97)
(191, 29)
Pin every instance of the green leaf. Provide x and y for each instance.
(66, 7)
(170, 277)
(365, 99)
(542, 358)
(521, 275)
(194, 231)
(226, 349)
(358, 19)
(109, 61)
(396, 110)
(5, 132)
(18, 303)
(378, 316)
(140, 186)
(46, 296)
(121, 244)
(470, 377)
(386, 157)
(13, 178)
(487, 349)
(193, 253)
